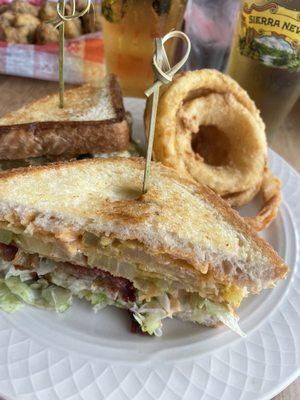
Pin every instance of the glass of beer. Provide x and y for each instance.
(129, 27)
(265, 57)
(210, 26)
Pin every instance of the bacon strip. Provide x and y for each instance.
(105, 279)
(8, 251)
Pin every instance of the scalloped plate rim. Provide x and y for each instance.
(117, 385)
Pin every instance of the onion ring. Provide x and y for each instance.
(209, 129)
(233, 151)
(271, 194)
(241, 198)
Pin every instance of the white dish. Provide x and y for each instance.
(83, 355)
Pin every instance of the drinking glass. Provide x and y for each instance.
(210, 26)
(129, 27)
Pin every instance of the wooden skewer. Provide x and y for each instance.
(60, 24)
(163, 74)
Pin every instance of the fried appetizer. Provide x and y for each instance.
(73, 29)
(24, 7)
(27, 25)
(209, 129)
(7, 19)
(11, 34)
(46, 33)
(48, 11)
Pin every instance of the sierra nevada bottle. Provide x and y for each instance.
(265, 56)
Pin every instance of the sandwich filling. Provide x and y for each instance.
(132, 151)
(47, 271)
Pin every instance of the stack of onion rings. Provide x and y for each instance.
(208, 128)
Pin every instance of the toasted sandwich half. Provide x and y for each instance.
(92, 121)
(83, 229)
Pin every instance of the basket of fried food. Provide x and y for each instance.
(29, 41)
(23, 22)
(209, 129)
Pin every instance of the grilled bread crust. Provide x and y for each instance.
(92, 121)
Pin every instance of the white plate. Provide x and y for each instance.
(83, 355)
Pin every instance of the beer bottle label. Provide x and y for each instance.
(270, 34)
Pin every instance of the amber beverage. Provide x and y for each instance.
(129, 27)
(265, 57)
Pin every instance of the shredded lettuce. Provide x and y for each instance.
(75, 285)
(85, 288)
(58, 298)
(98, 299)
(150, 314)
(8, 301)
(150, 323)
(24, 275)
(19, 287)
(41, 283)
(191, 308)
(224, 315)
(14, 293)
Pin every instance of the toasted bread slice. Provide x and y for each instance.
(185, 228)
(92, 121)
